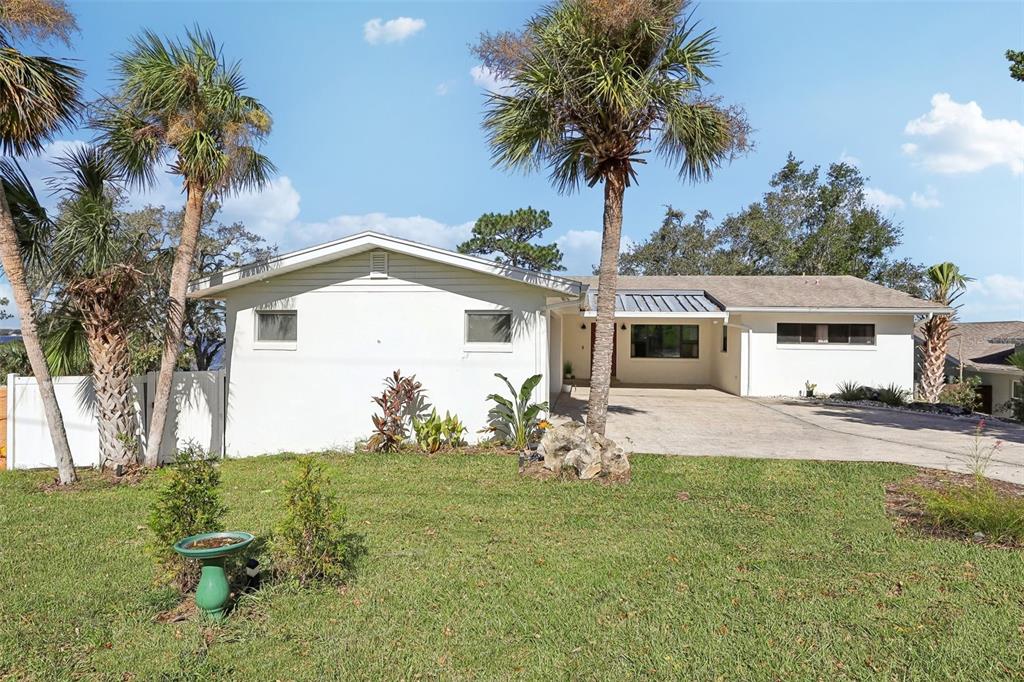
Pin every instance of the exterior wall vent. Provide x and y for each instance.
(378, 264)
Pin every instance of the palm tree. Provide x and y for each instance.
(181, 103)
(947, 285)
(98, 265)
(39, 96)
(590, 84)
(92, 266)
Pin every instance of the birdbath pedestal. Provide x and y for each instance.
(211, 549)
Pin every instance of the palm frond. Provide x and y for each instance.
(31, 221)
(39, 97)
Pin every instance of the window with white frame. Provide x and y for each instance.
(277, 326)
(844, 334)
(664, 341)
(488, 326)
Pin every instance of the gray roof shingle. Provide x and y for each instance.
(782, 291)
(985, 345)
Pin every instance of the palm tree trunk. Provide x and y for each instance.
(936, 333)
(112, 383)
(191, 224)
(10, 258)
(608, 275)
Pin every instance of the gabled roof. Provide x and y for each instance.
(216, 284)
(751, 293)
(985, 346)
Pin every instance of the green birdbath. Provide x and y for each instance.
(211, 549)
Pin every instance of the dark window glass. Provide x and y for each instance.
(862, 334)
(789, 332)
(664, 341)
(839, 333)
(279, 325)
(725, 339)
(489, 327)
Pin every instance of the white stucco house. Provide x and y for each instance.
(981, 349)
(312, 334)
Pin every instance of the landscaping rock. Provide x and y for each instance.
(573, 449)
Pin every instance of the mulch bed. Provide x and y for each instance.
(93, 480)
(904, 506)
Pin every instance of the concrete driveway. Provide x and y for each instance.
(705, 421)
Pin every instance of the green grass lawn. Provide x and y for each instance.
(770, 570)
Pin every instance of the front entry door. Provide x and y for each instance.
(615, 347)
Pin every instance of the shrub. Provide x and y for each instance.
(452, 430)
(402, 401)
(188, 504)
(434, 433)
(976, 508)
(850, 391)
(893, 394)
(310, 545)
(515, 422)
(964, 394)
(567, 369)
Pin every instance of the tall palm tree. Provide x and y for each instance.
(92, 266)
(947, 285)
(592, 83)
(180, 103)
(39, 96)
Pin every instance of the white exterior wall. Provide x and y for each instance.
(1002, 389)
(353, 332)
(195, 415)
(782, 369)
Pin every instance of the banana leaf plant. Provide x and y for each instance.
(515, 422)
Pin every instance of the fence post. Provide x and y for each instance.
(11, 402)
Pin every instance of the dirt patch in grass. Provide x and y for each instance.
(186, 610)
(536, 471)
(903, 504)
(90, 479)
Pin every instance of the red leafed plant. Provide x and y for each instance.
(402, 399)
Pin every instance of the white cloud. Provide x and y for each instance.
(882, 199)
(268, 211)
(488, 80)
(929, 199)
(995, 296)
(849, 159)
(957, 138)
(417, 228)
(377, 31)
(10, 308)
(581, 250)
(444, 88)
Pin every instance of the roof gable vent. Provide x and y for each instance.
(378, 264)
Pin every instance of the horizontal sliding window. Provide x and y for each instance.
(664, 341)
(843, 334)
(489, 327)
(277, 325)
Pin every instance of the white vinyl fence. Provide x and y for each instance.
(197, 414)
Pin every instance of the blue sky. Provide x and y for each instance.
(377, 120)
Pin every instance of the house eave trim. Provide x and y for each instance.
(217, 283)
(857, 311)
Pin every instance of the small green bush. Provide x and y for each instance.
(434, 433)
(964, 394)
(893, 395)
(975, 508)
(188, 504)
(850, 391)
(310, 545)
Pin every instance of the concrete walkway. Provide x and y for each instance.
(705, 421)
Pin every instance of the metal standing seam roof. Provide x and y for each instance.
(690, 301)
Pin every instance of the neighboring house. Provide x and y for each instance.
(313, 334)
(981, 349)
